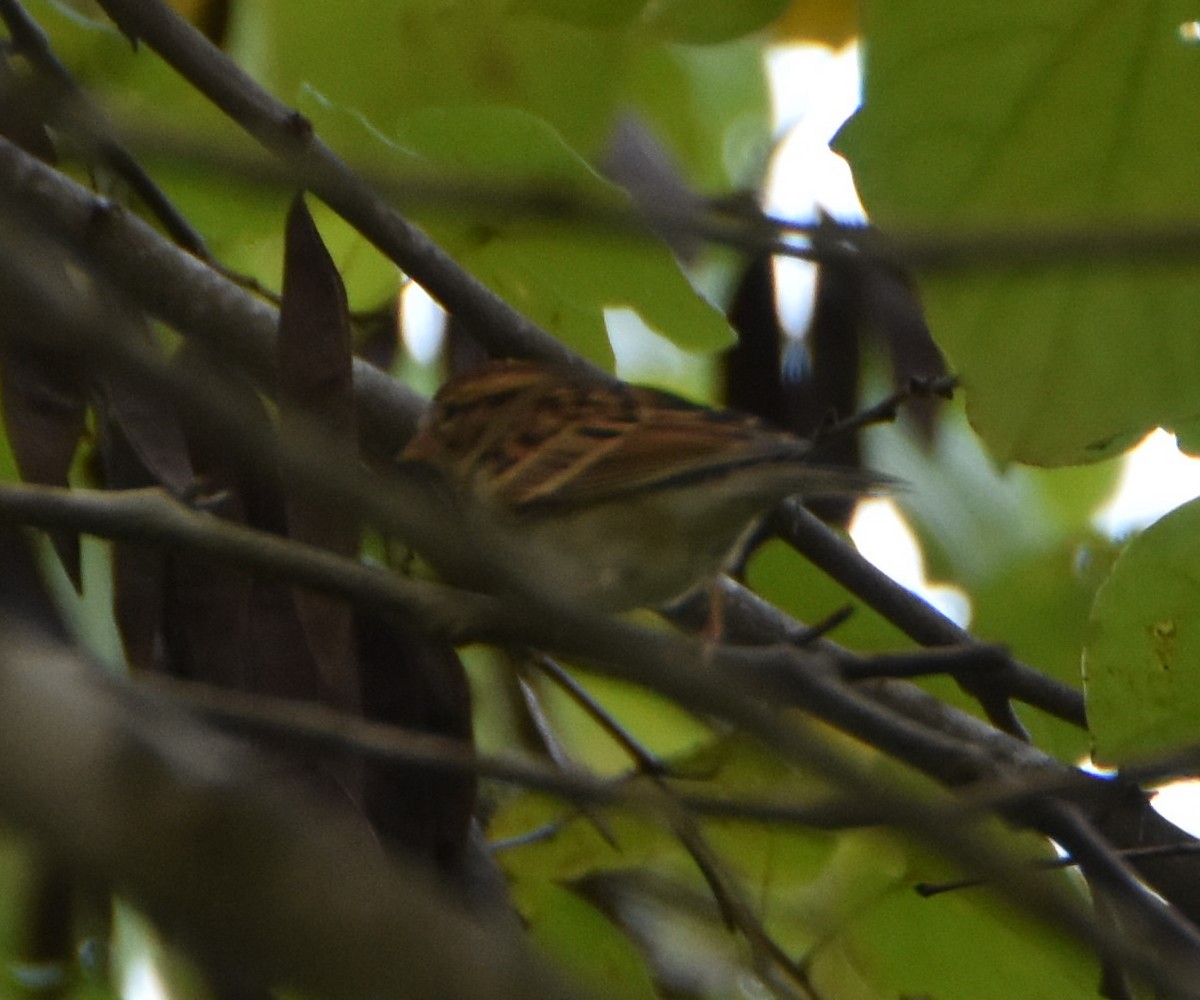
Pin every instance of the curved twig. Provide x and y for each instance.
(924, 623)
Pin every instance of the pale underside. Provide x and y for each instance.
(604, 495)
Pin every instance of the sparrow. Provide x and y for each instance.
(599, 494)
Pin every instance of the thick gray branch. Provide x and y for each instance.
(242, 866)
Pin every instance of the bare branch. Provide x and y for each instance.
(254, 875)
(924, 623)
(313, 726)
(68, 107)
(182, 290)
(739, 226)
(287, 134)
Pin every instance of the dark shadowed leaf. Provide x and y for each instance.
(49, 937)
(800, 387)
(151, 428)
(222, 626)
(314, 349)
(753, 368)
(828, 381)
(378, 339)
(19, 120)
(137, 570)
(138, 573)
(316, 388)
(894, 315)
(413, 681)
(45, 406)
(704, 960)
(23, 592)
(1022, 118)
(143, 444)
(206, 607)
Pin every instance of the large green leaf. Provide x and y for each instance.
(792, 583)
(560, 60)
(1021, 116)
(966, 945)
(1038, 608)
(1142, 657)
(564, 921)
(974, 520)
(585, 13)
(706, 21)
(709, 106)
(391, 56)
(562, 275)
(658, 724)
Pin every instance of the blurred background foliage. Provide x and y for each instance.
(995, 122)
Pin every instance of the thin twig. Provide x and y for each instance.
(1102, 865)
(646, 762)
(317, 727)
(943, 251)
(290, 136)
(701, 683)
(887, 409)
(970, 659)
(1179, 764)
(925, 624)
(731, 901)
(269, 883)
(181, 290)
(152, 516)
(808, 634)
(928, 889)
(313, 726)
(727, 892)
(70, 108)
(554, 749)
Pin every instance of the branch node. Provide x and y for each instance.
(299, 129)
(101, 212)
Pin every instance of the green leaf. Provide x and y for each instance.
(585, 13)
(1142, 657)
(390, 58)
(559, 60)
(974, 520)
(967, 945)
(1022, 116)
(1187, 436)
(566, 922)
(562, 275)
(708, 21)
(1038, 608)
(663, 728)
(709, 106)
(394, 56)
(573, 848)
(791, 582)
